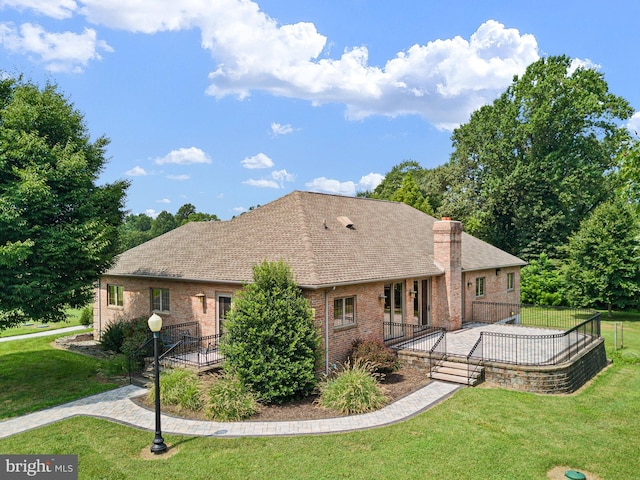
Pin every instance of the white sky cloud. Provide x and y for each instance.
(136, 171)
(257, 161)
(164, 200)
(184, 156)
(180, 178)
(371, 181)
(579, 63)
(60, 52)
(277, 180)
(151, 212)
(328, 185)
(443, 80)
(58, 9)
(262, 183)
(634, 124)
(278, 129)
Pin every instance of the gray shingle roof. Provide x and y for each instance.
(388, 240)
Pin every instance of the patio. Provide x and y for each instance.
(538, 346)
(540, 349)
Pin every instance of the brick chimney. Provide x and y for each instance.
(447, 254)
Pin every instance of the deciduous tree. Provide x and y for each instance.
(58, 228)
(603, 267)
(534, 163)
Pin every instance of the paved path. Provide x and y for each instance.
(44, 333)
(117, 405)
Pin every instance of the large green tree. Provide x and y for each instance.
(270, 341)
(58, 228)
(533, 164)
(603, 267)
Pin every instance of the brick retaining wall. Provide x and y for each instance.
(552, 379)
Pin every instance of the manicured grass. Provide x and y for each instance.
(478, 433)
(73, 319)
(34, 375)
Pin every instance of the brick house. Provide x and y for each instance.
(361, 263)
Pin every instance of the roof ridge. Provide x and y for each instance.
(306, 236)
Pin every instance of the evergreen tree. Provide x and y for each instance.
(270, 342)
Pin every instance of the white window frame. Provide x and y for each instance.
(511, 281)
(118, 290)
(164, 304)
(342, 318)
(480, 287)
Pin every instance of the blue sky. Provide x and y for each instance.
(228, 104)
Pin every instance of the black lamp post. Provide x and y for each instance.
(155, 324)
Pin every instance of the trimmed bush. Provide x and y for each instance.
(270, 343)
(113, 336)
(86, 316)
(136, 334)
(230, 401)
(375, 354)
(180, 388)
(352, 390)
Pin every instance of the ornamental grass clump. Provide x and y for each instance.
(230, 401)
(180, 388)
(352, 390)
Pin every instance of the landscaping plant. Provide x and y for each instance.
(181, 388)
(270, 342)
(230, 401)
(375, 354)
(353, 390)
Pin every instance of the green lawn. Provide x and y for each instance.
(73, 319)
(34, 375)
(479, 433)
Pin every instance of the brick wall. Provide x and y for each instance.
(495, 286)
(447, 291)
(185, 306)
(565, 378)
(554, 379)
(369, 317)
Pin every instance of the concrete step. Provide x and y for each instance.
(456, 372)
(461, 372)
(454, 379)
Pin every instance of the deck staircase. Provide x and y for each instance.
(452, 371)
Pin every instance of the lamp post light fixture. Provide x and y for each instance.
(155, 324)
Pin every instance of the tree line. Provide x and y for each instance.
(547, 172)
(137, 229)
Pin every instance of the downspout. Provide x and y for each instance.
(464, 296)
(99, 310)
(326, 332)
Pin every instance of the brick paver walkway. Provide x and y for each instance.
(117, 405)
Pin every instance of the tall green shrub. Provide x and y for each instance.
(270, 342)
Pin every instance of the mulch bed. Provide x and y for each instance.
(396, 385)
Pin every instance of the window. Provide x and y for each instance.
(510, 281)
(115, 295)
(480, 287)
(160, 299)
(344, 311)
